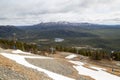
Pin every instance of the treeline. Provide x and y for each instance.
(116, 56)
(93, 54)
(10, 44)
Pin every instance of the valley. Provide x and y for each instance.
(74, 34)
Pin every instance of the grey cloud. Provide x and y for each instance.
(17, 11)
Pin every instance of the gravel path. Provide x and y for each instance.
(52, 65)
(58, 66)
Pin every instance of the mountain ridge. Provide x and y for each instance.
(7, 31)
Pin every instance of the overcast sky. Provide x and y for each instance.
(26, 12)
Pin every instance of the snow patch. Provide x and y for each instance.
(20, 52)
(97, 68)
(71, 56)
(77, 63)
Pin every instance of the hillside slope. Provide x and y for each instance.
(60, 66)
(7, 31)
(10, 70)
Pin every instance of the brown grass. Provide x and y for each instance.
(115, 72)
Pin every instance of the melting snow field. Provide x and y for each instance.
(21, 60)
(98, 75)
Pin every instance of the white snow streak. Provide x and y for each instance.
(20, 52)
(71, 56)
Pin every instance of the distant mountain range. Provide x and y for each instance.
(54, 29)
(64, 29)
(59, 25)
(73, 33)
